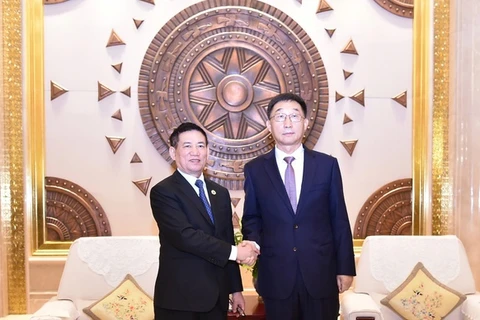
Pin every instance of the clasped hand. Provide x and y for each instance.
(247, 252)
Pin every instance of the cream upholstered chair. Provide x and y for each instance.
(97, 265)
(387, 261)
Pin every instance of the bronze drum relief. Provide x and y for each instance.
(72, 212)
(218, 65)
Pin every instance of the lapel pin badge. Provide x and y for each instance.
(214, 192)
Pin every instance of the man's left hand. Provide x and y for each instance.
(238, 304)
(344, 282)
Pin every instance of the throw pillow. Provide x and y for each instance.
(421, 296)
(127, 301)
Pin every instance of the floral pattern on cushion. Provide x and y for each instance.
(126, 302)
(421, 296)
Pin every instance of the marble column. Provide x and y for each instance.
(465, 127)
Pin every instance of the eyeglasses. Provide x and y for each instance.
(281, 117)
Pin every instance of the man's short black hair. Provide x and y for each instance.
(286, 97)
(184, 127)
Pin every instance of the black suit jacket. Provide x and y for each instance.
(194, 270)
(317, 239)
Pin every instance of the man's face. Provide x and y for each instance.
(191, 152)
(287, 134)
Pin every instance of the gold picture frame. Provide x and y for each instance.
(36, 122)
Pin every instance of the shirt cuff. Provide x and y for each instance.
(233, 254)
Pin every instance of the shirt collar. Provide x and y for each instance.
(297, 154)
(191, 179)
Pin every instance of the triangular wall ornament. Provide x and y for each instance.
(349, 145)
(401, 98)
(149, 1)
(323, 6)
(138, 23)
(350, 48)
(346, 119)
(235, 220)
(330, 32)
(338, 96)
(346, 74)
(103, 91)
(117, 115)
(118, 67)
(126, 92)
(359, 97)
(300, 1)
(136, 159)
(235, 201)
(115, 143)
(56, 90)
(114, 40)
(143, 185)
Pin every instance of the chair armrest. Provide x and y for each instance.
(471, 307)
(359, 306)
(56, 310)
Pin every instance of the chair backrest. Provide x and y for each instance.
(96, 265)
(386, 261)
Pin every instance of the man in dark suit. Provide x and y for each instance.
(198, 268)
(295, 211)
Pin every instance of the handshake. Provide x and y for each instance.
(247, 252)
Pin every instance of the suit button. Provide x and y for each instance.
(294, 248)
(296, 226)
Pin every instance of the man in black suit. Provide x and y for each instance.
(295, 210)
(198, 268)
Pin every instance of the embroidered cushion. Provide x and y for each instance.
(127, 301)
(421, 296)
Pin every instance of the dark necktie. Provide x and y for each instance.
(290, 182)
(203, 197)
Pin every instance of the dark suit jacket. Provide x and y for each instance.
(194, 269)
(317, 239)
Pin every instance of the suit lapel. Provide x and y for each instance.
(308, 176)
(272, 171)
(190, 194)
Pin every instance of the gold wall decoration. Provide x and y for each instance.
(401, 98)
(349, 145)
(401, 8)
(338, 96)
(149, 1)
(388, 211)
(346, 119)
(138, 23)
(118, 67)
(103, 91)
(56, 90)
(347, 74)
(114, 40)
(136, 159)
(143, 184)
(350, 48)
(117, 115)
(330, 32)
(126, 92)
(323, 6)
(218, 64)
(115, 143)
(359, 97)
(72, 212)
(14, 177)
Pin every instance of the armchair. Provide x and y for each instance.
(385, 263)
(95, 266)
